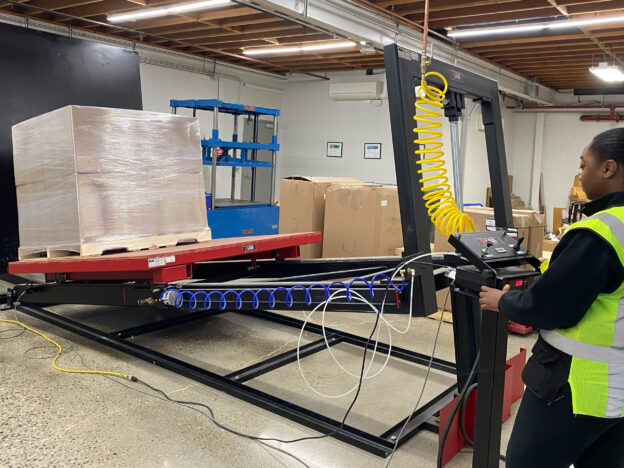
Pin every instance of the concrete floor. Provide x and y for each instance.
(51, 418)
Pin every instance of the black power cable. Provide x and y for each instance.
(462, 411)
(193, 405)
(460, 398)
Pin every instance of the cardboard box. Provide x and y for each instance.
(517, 203)
(549, 245)
(362, 221)
(302, 207)
(558, 215)
(488, 193)
(530, 225)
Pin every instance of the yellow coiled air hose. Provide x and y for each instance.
(439, 200)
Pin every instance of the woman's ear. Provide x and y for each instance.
(609, 168)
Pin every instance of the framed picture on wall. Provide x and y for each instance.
(334, 149)
(372, 150)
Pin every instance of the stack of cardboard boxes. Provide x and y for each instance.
(356, 219)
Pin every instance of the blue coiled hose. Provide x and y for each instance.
(192, 297)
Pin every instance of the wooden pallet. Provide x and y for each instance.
(447, 317)
(89, 249)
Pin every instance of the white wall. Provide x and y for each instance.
(160, 84)
(565, 137)
(311, 119)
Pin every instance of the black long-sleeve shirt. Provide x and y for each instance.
(582, 266)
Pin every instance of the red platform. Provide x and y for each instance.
(166, 264)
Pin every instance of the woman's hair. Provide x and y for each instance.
(608, 145)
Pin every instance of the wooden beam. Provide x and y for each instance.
(223, 31)
(101, 8)
(245, 20)
(58, 4)
(536, 47)
(440, 5)
(285, 41)
(594, 7)
(523, 40)
(492, 9)
(217, 41)
(535, 56)
(608, 50)
(228, 12)
(490, 18)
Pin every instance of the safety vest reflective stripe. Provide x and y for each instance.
(609, 357)
(617, 228)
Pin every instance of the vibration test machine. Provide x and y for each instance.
(251, 275)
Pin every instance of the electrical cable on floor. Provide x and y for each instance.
(210, 413)
(109, 374)
(60, 350)
(422, 389)
(209, 410)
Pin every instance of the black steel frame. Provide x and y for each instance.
(474, 330)
(234, 382)
(471, 325)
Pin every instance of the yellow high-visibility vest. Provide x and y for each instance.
(596, 342)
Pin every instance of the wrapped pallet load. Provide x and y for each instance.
(92, 179)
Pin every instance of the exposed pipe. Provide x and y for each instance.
(599, 118)
(571, 108)
(563, 107)
(611, 116)
(513, 98)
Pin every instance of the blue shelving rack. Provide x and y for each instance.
(233, 217)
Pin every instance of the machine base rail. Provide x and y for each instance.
(232, 384)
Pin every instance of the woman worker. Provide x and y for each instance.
(572, 411)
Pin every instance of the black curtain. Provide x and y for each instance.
(40, 72)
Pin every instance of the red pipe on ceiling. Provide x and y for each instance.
(613, 116)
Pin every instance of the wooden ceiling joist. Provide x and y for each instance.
(560, 58)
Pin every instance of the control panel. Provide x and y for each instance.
(491, 245)
(496, 259)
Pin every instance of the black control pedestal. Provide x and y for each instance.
(496, 260)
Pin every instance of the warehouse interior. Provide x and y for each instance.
(297, 120)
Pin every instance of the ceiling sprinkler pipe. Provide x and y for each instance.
(613, 116)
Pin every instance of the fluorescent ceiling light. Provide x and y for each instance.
(608, 73)
(308, 48)
(168, 10)
(533, 27)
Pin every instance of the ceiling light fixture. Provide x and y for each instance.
(608, 73)
(168, 10)
(308, 48)
(533, 27)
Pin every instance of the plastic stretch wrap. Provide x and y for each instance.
(109, 178)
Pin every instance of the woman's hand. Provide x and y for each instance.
(489, 297)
